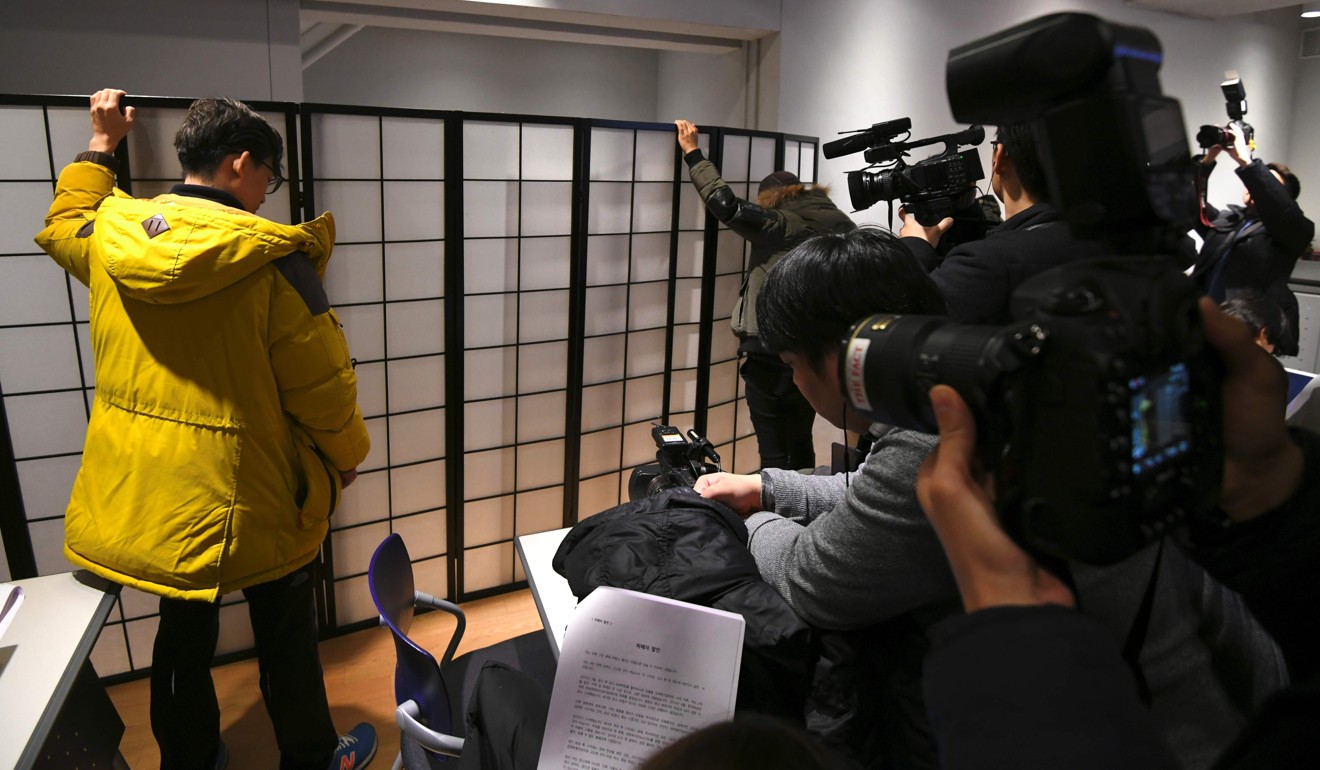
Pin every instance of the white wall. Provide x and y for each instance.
(1305, 158)
(702, 88)
(849, 63)
(247, 49)
(436, 70)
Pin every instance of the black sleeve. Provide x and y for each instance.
(1283, 218)
(1036, 687)
(1272, 562)
(973, 278)
(923, 251)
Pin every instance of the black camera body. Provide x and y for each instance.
(1235, 103)
(1095, 407)
(931, 189)
(679, 462)
(1098, 408)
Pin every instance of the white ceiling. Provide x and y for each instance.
(1210, 9)
(327, 23)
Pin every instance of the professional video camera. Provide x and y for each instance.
(1235, 101)
(1098, 408)
(679, 462)
(931, 189)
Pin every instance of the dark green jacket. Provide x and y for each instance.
(770, 231)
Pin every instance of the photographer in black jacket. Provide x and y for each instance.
(978, 277)
(1024, 681)
(1253, 247)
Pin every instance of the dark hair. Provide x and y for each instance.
(1020, 145)
(214, 128)
(829, 282)
(1258, 312)
(750, 743)
(1290, 180)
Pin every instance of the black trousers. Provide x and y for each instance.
(780, 414)
(185, 716)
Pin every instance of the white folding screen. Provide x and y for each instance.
(574, 304)
(46, 372)
(383, 179)
(629, 240)
(688, 331)
(744, 161)
(517, 227)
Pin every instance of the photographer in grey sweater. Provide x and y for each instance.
(853, 550)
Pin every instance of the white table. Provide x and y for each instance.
(41, 655)
(554, 599)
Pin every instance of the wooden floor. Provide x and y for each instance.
(359, 680)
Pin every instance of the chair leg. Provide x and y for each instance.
(398, 761)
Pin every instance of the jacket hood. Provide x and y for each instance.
(775, 196)
(173, 249)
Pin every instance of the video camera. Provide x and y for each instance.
(679, 462)
(1235, 102)
(931, 189)
(1098, 409)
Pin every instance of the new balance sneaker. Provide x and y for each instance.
(357, 747)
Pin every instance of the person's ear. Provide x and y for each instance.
(1263, 340)
(999, 162)
(240, 164)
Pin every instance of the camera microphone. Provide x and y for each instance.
(862, 139)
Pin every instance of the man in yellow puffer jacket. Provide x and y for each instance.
(225, 422)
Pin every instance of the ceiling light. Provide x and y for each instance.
(1311, 10)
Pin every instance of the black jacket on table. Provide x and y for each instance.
(978, 277)
(800, 214)
(1044, 687)
(682, 546)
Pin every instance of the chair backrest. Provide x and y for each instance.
(416, 673)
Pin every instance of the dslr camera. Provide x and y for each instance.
(1098, 408)
(1235, 102)
(680, 461)
(931, 189)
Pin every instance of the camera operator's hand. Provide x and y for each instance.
(109, 125)
(687, 135)
(1230, 146)
(1262, 465)
(914, 229)
(990, 568)
(742, 493)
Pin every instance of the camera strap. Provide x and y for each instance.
(1136, 637)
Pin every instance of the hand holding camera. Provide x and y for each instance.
(1262, 470)
(1224, 140)
(912, 228)
(1212, 139)
(742, 493)
(958, 496)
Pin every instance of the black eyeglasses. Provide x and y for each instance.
(275, 179)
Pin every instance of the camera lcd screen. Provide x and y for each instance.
(1160, 428)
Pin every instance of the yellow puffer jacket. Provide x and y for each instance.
(225, 398)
